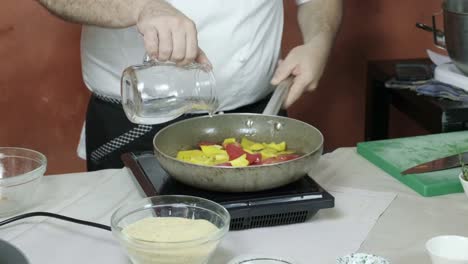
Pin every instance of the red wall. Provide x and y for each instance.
(43, 99)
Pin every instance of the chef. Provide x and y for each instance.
(240, 39)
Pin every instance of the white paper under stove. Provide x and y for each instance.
(94, 196)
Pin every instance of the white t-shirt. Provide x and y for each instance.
(242, 39)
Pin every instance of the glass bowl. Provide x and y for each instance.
(21, 171)
(249, 259)
(193, 251)
(361, 258)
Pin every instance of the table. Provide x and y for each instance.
(433, 114)
(399, 233)
(410, 220)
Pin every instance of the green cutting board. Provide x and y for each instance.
(396, 155)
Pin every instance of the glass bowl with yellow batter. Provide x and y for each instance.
(170, 229)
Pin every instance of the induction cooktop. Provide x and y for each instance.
(293, 203)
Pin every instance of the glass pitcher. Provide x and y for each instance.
(156, 92)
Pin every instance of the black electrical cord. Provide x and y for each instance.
(61, 217)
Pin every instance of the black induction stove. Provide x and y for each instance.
(293, 203)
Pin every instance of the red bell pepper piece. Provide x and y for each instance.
(254, 159)
(269, 161)
(234, 150)
(280, 158)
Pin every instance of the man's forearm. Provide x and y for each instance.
(320, 18)
(104, 13)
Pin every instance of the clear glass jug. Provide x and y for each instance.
(156, 92)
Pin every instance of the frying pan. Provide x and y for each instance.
(267, 127)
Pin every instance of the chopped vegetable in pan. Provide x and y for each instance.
(232, 153)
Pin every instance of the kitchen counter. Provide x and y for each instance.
(387, 218)
(410, 220)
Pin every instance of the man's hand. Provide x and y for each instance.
(168, 34)
(306, 63)
(319, 21)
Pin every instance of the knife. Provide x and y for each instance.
(448, 162)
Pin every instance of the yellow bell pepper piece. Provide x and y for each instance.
(202, 160)
(249, 151)
(257, 147)
(194, 156)
(246, 143)
(268, 153)
(213, 150)
(221, 158)
(187, 155)
(278, 147)
(251, 145)
(229, 141)
(240, 161)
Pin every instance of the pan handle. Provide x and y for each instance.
(278, 97)
(438, 36)
(428, 29)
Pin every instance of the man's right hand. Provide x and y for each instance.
(169, 34)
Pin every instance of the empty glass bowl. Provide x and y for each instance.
(21, 171)
(194, 251)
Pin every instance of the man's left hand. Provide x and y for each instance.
(306, 63)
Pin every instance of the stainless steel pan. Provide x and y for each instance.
(298, 135)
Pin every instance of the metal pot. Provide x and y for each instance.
(454, 38)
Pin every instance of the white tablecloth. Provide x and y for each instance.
(362, 192)
(410, 220)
